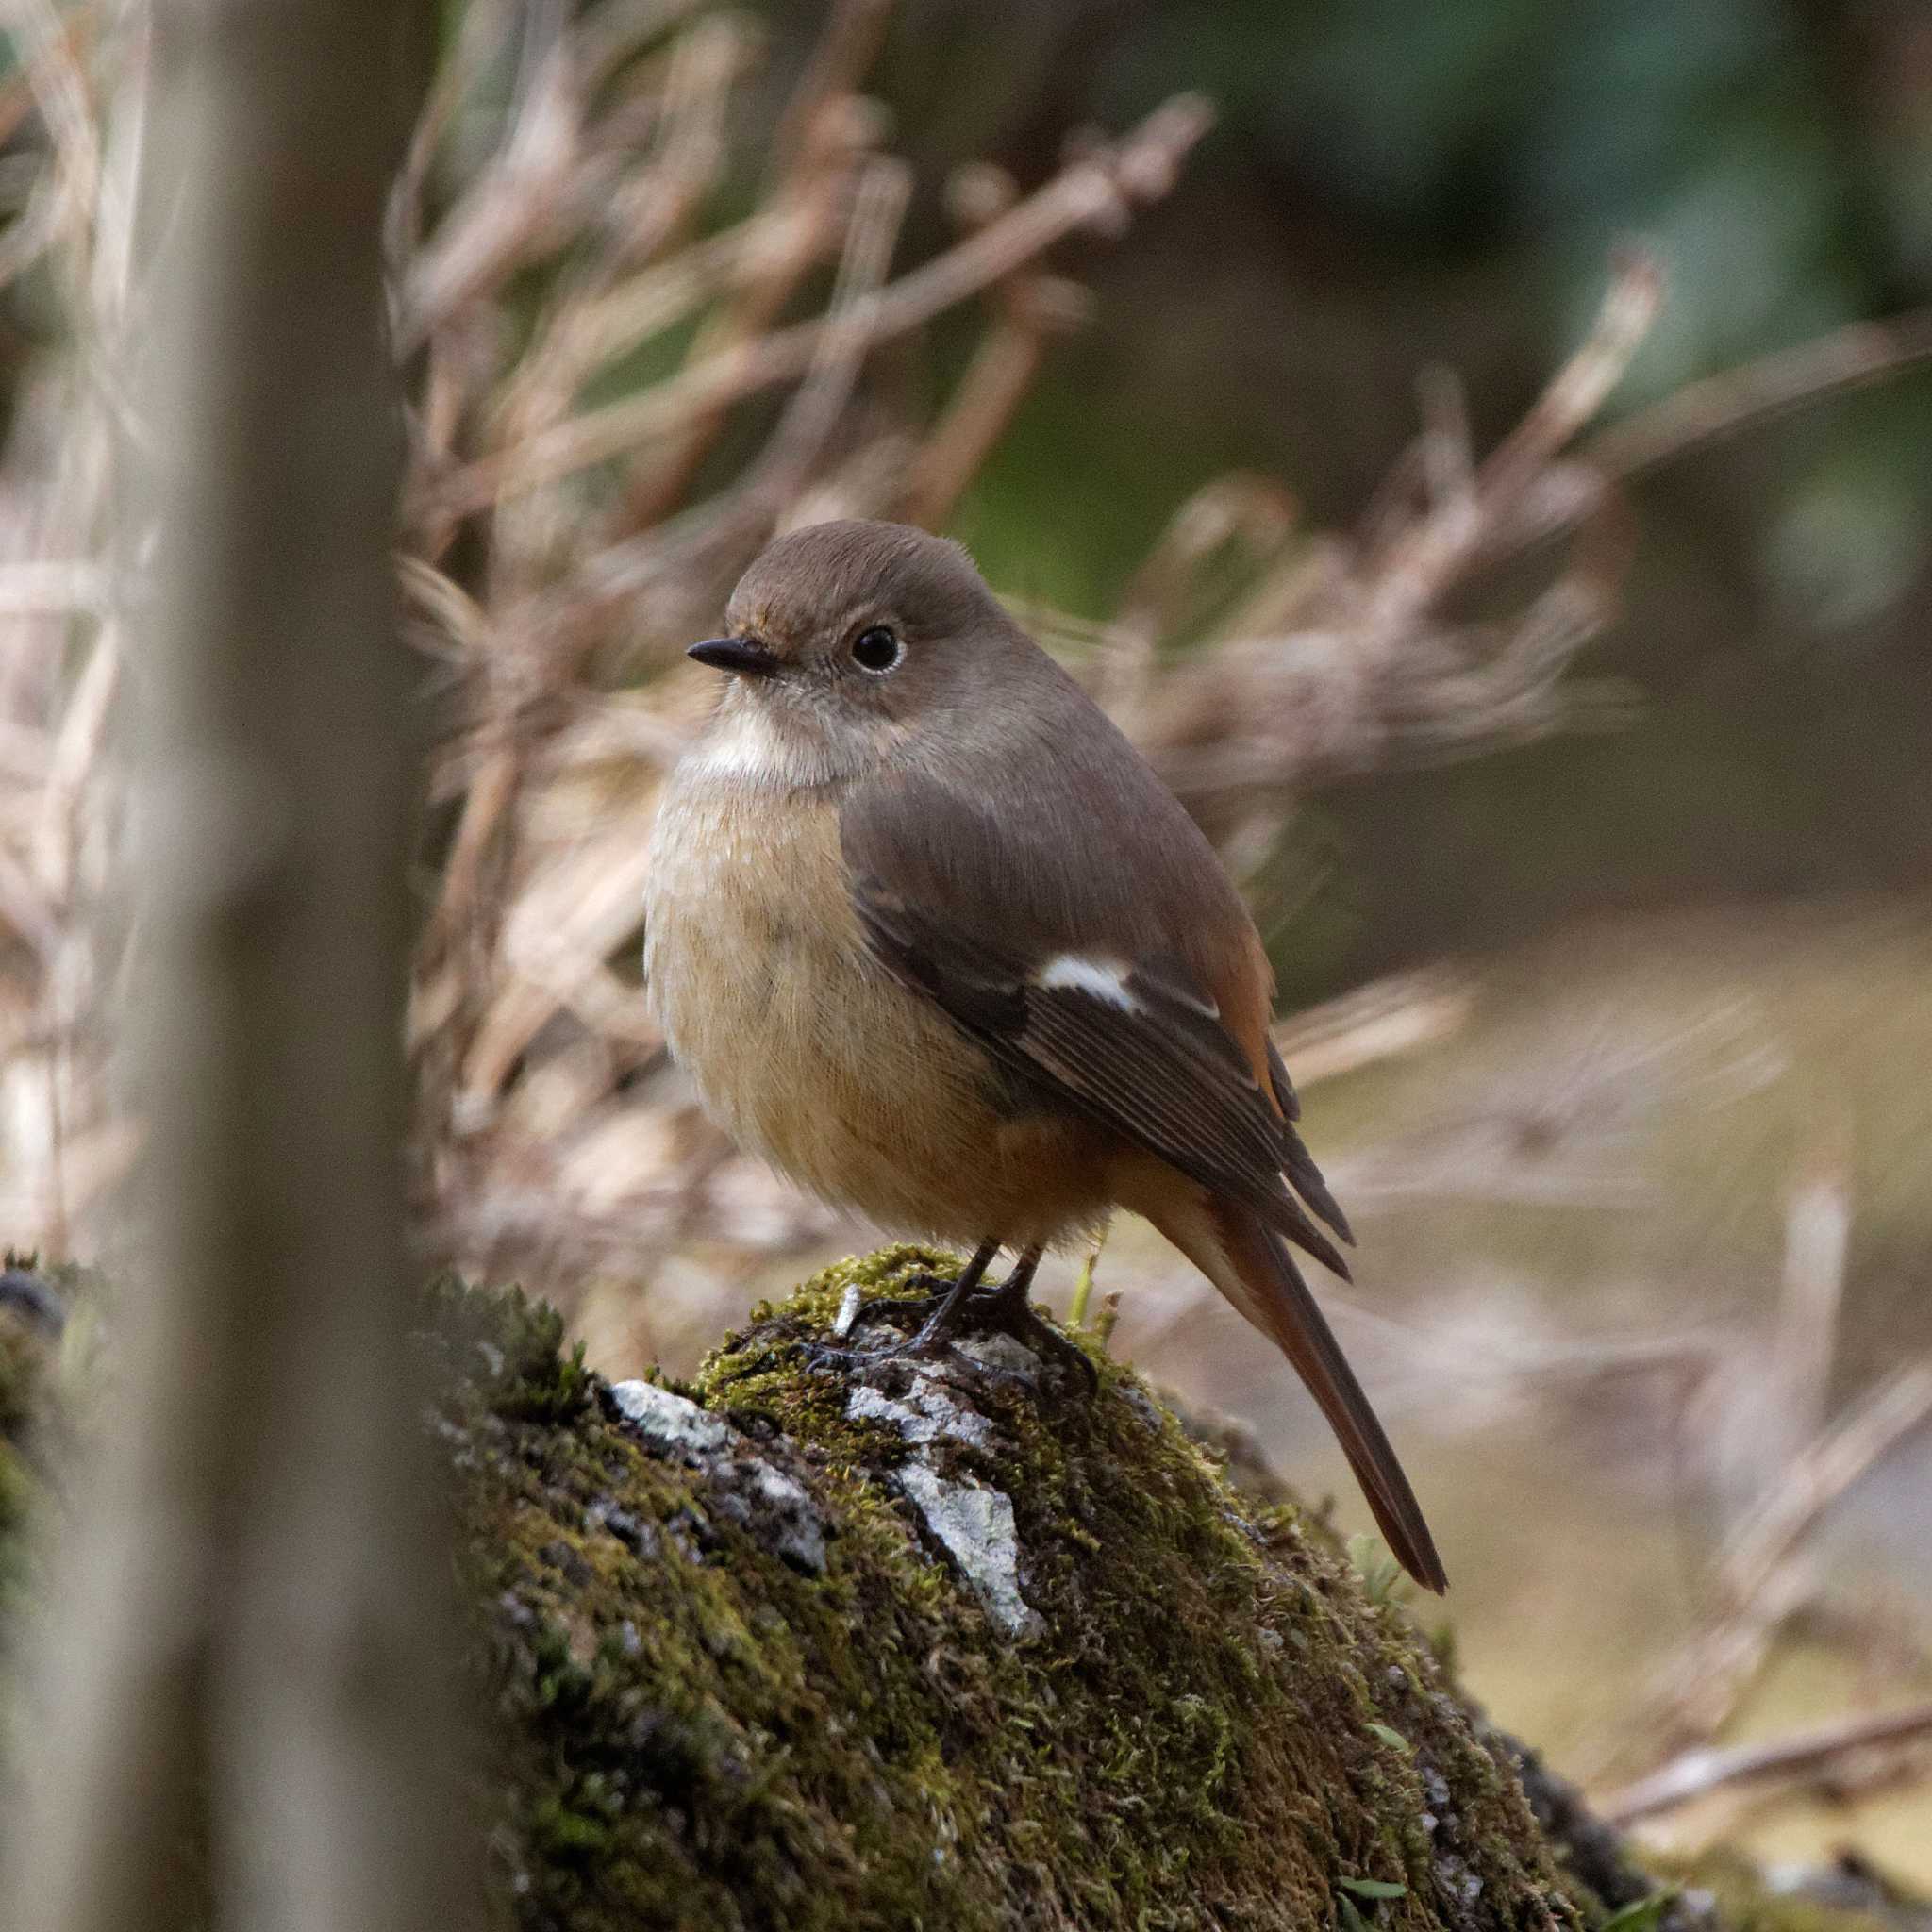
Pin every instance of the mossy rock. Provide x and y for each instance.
(811, 1645)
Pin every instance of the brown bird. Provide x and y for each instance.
(930, 935)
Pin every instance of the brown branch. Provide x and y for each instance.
(1582, 385)
(1382, 1020)
(593, 325)
(18, 90)
(512, 209)
(839, 63)
(1818, 1224)
(1429, 556)
(1709, 410)
(247, 1646)
(482, 28)
(1003, 368)
(817, 148)
(1883, 1418)
(65, 196)
(655, 208)
(1761, 1577)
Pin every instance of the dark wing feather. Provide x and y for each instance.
(1295, 1157)
(1163, 1071)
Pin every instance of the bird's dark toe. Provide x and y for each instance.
(994, 1311)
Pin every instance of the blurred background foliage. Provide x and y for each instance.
(1391, 186)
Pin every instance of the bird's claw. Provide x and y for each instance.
(1002, 1317)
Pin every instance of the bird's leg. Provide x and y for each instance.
(938, 1310)
(948, 1293)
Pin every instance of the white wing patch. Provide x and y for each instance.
(1104, 979)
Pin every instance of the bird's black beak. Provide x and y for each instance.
(742, 657)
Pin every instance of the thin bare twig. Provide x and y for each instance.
(1030, 307)
(1703, 412)
(1885, 1417)
(1818, 1226)
(815, 150)
(1761, 1577)
(1429, 559)
(1138, 168)
(1696, 1773)
(1376, 1021)
(1714, 409)
(508, 212)
(839, 63)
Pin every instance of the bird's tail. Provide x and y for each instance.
(1249, 1263)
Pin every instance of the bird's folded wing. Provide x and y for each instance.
(1129, 1042)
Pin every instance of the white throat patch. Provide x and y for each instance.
(748, 745)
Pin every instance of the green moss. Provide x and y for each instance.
(517, 1362)
(1217, 1728)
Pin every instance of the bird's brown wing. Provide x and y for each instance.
(1073, 993)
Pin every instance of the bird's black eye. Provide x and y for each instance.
(876, 650)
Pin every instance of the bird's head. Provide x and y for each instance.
(858, 631)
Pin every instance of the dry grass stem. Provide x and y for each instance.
(1701, 412)
(1829, 1750)
(1377, 1022)
(1101, 187)
(1762, 1576)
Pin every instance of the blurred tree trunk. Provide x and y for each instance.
(253, 1621)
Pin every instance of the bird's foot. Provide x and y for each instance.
(911, 1308)
(995, 1311)
(1001, 1309)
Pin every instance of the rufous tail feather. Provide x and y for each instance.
(1277, 1297)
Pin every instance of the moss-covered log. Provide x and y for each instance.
(817, 1644)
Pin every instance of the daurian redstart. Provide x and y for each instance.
(930, 935)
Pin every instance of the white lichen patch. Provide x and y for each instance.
(974, 1524)
(849, 1304)
(747, 1488)
(672, 1420)
(929, 1412)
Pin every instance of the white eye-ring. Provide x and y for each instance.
(877, 650)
